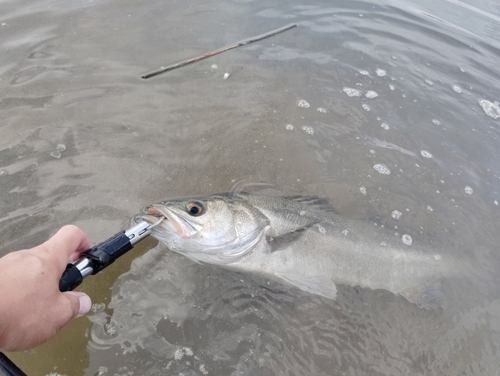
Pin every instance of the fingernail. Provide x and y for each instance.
(85, 304)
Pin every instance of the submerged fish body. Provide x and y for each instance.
(296, 239)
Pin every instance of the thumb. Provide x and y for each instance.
(77, 303)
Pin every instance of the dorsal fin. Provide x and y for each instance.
(314, 203)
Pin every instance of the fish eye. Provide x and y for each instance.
(195, 208)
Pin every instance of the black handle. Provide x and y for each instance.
(94, 260)
(71, 278)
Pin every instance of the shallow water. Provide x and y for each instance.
(378, 106)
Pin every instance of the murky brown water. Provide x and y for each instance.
(408, 85)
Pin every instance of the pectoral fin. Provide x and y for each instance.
(277, 243)
(318, 284)
(428, 295)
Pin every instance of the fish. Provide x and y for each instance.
(299, 240)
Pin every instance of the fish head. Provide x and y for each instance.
(217, 229)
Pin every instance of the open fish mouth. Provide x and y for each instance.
(171, 222)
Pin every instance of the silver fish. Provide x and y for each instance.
(300, 240)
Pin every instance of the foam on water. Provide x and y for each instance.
(468, 190)
(289, 127)
(371, 94)
(490, 109)
(364, 72)
(380, 72)
(308, 130)
(396, 215)
(426, 154)
(382, 169)
(457, 89)
(365, 107)
(321, 109)
(362, 190)
(430, 208)
(303, 103)
(351, 92)
(385, 126)
(407, 239)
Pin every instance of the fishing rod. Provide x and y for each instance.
(91, 262)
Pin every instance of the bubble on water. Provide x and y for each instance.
(429, 82)
(435, 121)
(55, 154)
(372, 151)
(321, 229)
(365, 107)
(203, 369)
(345, 232)
(321, 109)
(380, 72)
(3, 172)
(407, 239)
(364, 72)
(457, 89)
(490, 109)
(289, 127)
(495, 202)
(302, 212)
(110, 329)
(226, 76)
(214, 66)
(98, 307)
(308, 130)
(430, 208)
(382, 169)
(385, 126)
(351, 92)
(61, 148)
(371, 94)
(469, 190)
(362, 190)
(437, 257)
(303, 103)
(101, 371)
(396, 215)
(178, 354)
(391, 87)
(426, 154)
(383, 244)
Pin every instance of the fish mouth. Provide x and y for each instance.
(172, 222)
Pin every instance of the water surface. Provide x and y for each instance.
(377, 106)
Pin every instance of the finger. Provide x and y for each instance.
(70, 305)
(67, 241)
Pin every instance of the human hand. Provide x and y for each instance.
(32, 309)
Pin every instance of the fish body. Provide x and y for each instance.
(300, 240)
